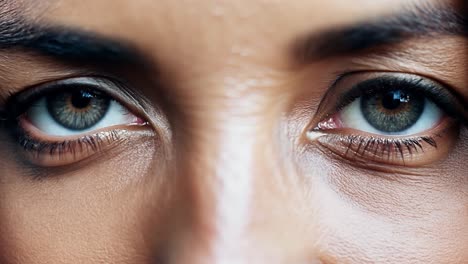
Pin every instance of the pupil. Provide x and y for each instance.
(392, 100)
(81, 100)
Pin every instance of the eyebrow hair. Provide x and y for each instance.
(65, 43)
(415, 21)
(76, 45)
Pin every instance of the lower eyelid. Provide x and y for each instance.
(402, 151)
(51, 154)
(59, 151)
(366, 150)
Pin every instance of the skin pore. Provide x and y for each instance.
(234, 146)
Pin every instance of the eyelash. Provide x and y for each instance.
(357, 147)
(388, 147)
(88, 142)
(441, 97)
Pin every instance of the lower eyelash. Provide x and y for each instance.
(387, 148)
(369, 148)
(88, 143)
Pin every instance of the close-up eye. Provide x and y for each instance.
(75, 112)
(392, 112)
(392, 118)
(67, 121)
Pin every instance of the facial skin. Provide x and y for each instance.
(221, 162)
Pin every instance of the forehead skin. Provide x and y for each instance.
(227, 194)
(216, 30)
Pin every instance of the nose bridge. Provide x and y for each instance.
(231, 164)
(221, 164)
(221, 176)
(239, 213)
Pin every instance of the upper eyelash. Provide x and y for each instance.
(442, 97)
(20, 103)
(107, 85)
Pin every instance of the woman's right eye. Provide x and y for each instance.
(68, 121)
(71, 113)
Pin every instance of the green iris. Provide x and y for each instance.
(392, 111)
(77, 110)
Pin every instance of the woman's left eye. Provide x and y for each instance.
(391, 113)
(389, 118)
(70, 113)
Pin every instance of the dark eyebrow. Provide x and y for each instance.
(415, 21)
(67, 44)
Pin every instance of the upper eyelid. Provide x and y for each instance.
(111, 87)
(430, 89)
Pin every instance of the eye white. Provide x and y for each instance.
(40, 117)
(352, 117)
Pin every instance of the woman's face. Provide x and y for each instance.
(233, 131)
